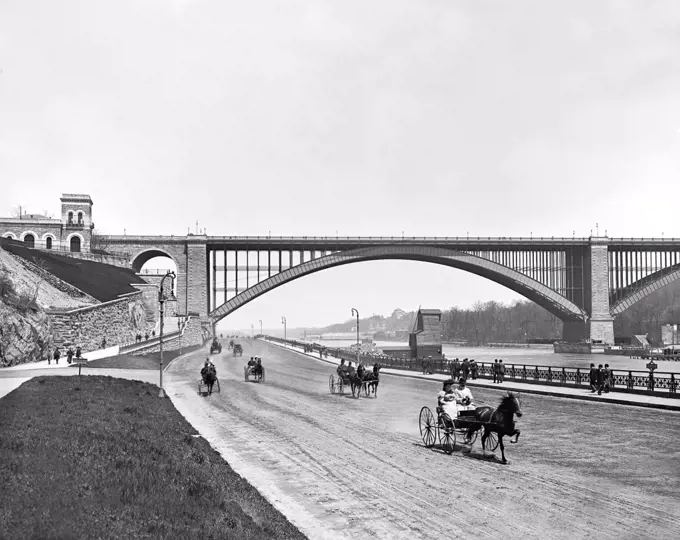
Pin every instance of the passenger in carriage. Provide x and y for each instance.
(257, 368)
(341, 368)
(446, 400)
(252, 362)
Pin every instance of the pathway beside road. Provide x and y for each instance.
(620, 398)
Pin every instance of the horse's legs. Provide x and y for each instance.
(516, 432)
(484, 437)
(500, 443)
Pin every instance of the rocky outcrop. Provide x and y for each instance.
(25, 335)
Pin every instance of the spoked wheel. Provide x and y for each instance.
(447, 434)
(491, 442)
(428, 427)
(245, 372)
(473, 437)
(331, 383)
(341, 386)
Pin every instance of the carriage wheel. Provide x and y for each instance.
(341, 386)
(217, 385)
(428, 427)
(491, 442)
(331, 384)
(245, 372)
(447, 434)
(473, 437)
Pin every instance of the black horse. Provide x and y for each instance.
(372, 380)
(356, 380)
(209, 374)
(500, 420)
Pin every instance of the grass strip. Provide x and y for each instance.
(107, 458)
(139, 361)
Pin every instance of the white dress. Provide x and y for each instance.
(449, 407)
(461, 395)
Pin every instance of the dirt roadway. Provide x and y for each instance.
(357, 468)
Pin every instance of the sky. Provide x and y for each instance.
(433, 118)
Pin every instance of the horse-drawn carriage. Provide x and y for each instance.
(256, 372)
(238, 349)
(208, 380)
(495, 423)
(215, 347)
(358, 381)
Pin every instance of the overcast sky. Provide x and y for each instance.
(363, 117)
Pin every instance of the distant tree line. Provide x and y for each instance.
(522, 321)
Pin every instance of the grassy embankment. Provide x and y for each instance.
(146, 361)
(107, 458)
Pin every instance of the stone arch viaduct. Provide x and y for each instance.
(586, 282)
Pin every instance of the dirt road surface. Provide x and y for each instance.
(345, 468)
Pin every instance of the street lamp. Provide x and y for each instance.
(252, 330)
(179, 332)
(358, 348)
(261, 327)
(161, 299)
(283, 322)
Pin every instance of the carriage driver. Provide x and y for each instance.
(341, 368)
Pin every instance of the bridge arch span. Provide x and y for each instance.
(644, 287)
(520, 283)
(144, 256)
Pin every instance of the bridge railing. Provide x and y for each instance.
(630, 381)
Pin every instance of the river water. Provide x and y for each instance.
(539, 356)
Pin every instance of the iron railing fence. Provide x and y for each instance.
(631, 381)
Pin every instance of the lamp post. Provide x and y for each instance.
(260, 326)
(179, 332)
(161, 300)
(252, 330)
(358, 348)
(285, 332)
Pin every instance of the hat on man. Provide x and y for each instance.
(461, 381)
(448, 381)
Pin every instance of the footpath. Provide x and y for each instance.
(619, 398)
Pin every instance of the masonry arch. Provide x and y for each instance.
(520, 283)
(144, 256)
(9, 235)
(48, 240)
(29, 238)
(75, 242)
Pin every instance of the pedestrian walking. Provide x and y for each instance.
(593, 378)
(57, 355)
(599, 378)
(607, 374)
(104, 343)
(455, 367)
(78, 352)
(465, 368)
(69, 355)
(474, 368)
(494, 370)
(501, 371)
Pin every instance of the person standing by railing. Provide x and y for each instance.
(501, 371)
(494, 370)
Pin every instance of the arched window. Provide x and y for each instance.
(70, 217)
(10, 235)
(48, 242)
(29, 240)
(80, 218)
(75, 244)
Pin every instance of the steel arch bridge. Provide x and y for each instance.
(580, 280)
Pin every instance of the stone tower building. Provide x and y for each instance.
(73, 232)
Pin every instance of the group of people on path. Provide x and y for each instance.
(600, 379)
(70, 353)
(466, 369)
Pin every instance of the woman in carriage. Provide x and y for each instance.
(257, 368)
(452, 401)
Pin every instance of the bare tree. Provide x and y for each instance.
(97, 242)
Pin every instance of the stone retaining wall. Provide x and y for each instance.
(192, 335)
(117, 321)
(57, 283)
